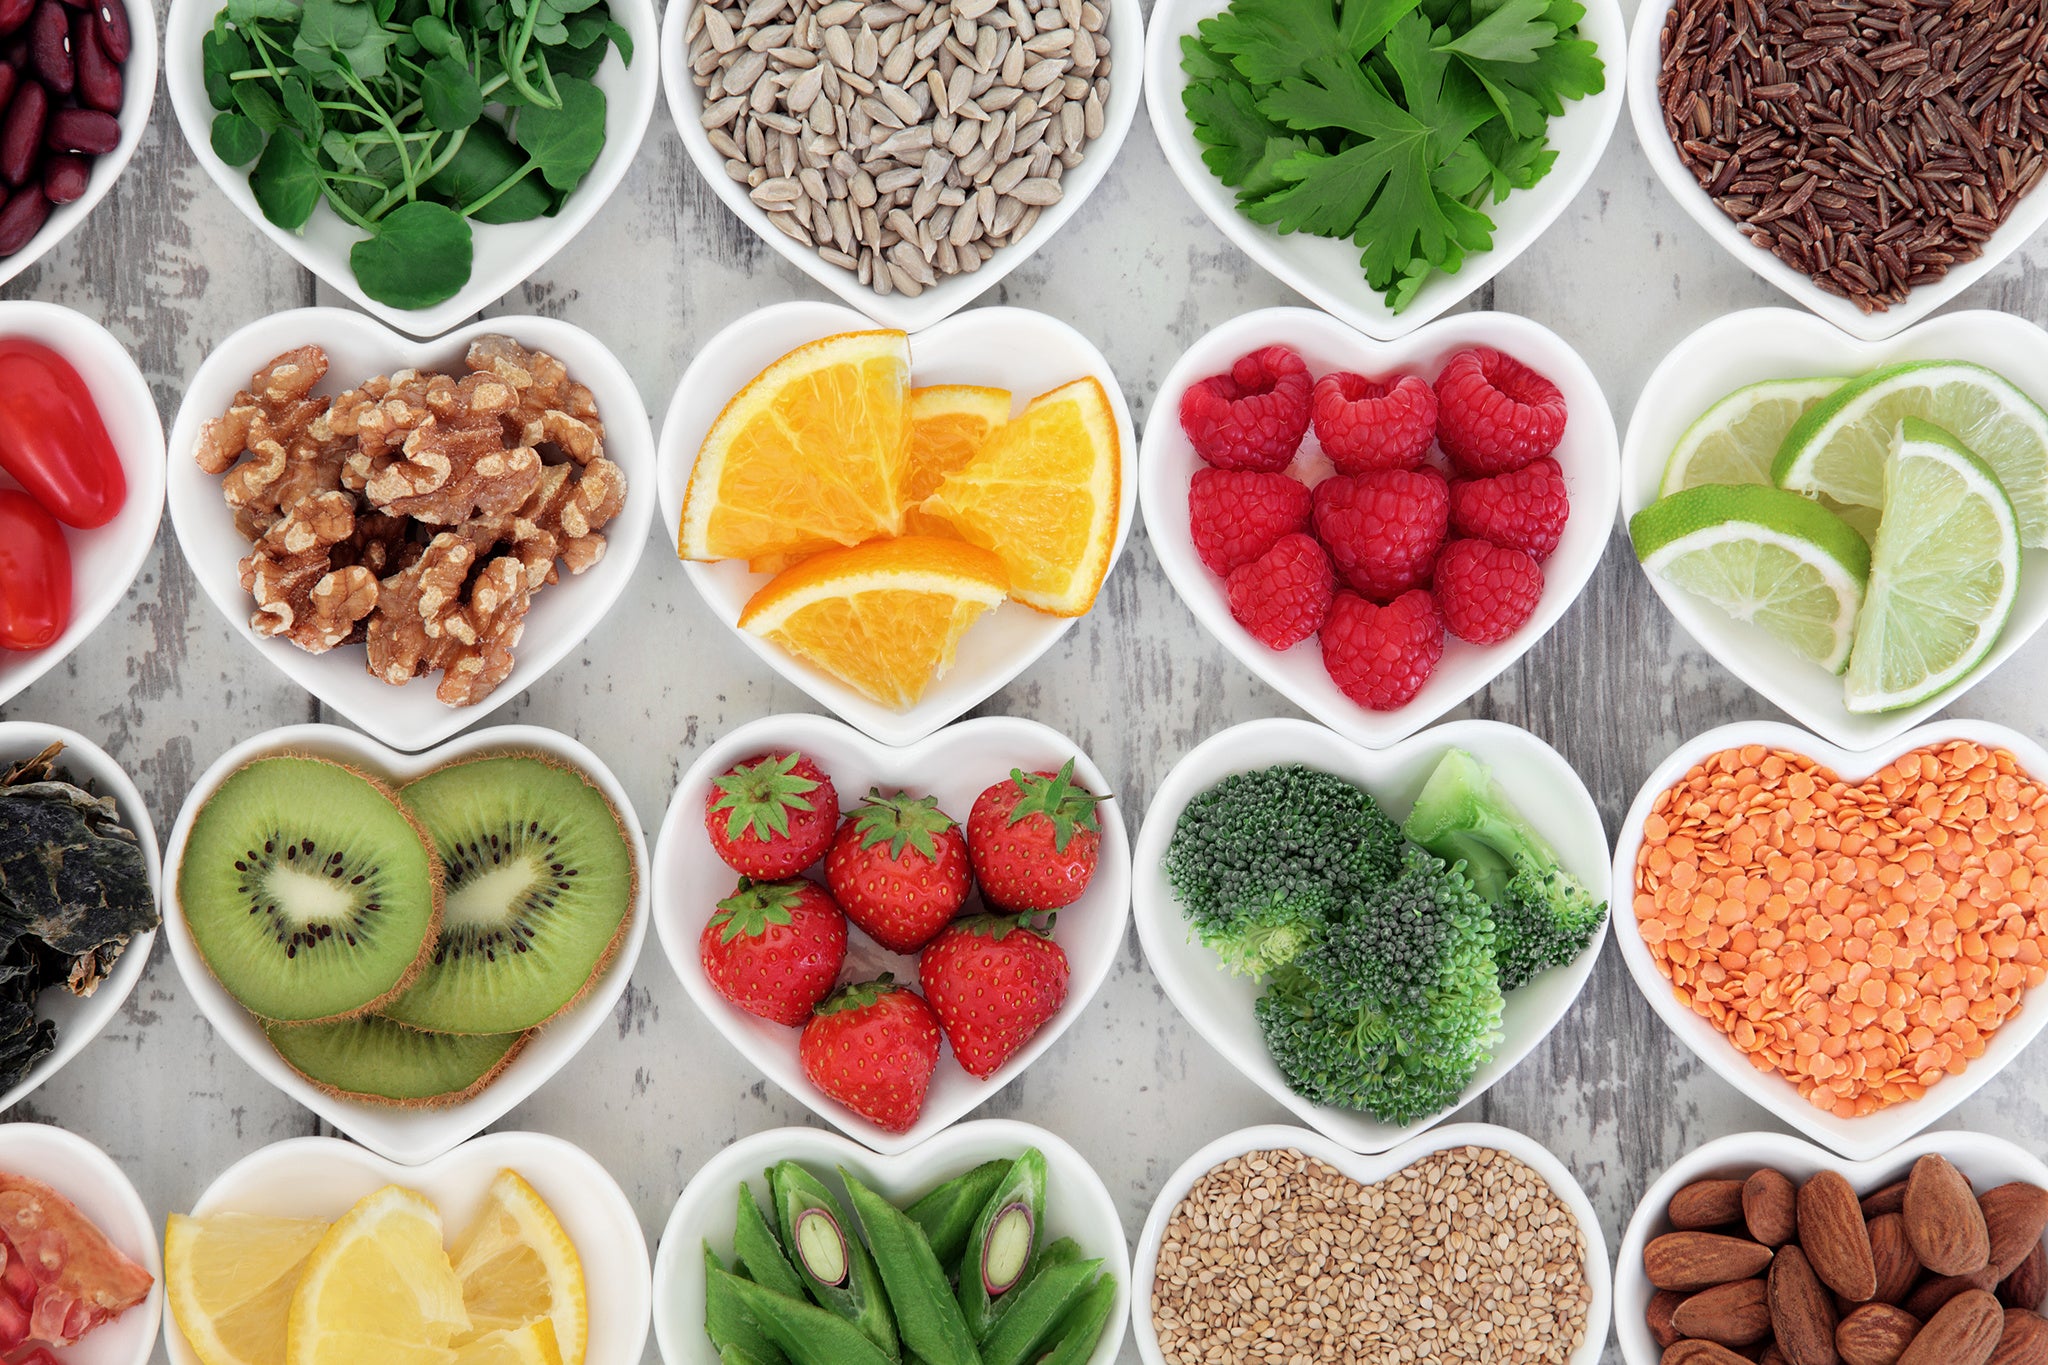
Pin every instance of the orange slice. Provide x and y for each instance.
(807, 456)
(1041, 494)
(885, 617)
(948, 423)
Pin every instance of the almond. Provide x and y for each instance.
(1706, 1204)
(1802, 1314)
(2015, 1215)
(1663, 1304)
(1933, 1295)
(2027, 1286)
(1943, 1220)
(1770, 1206)
(1691, 1261)
(1832, 1231)
(1772, 1356)
(1965, 1332)
(2024, 1341)
(1701, 1353)
(1876, 1334)
(1734, 1314)
(1898, 1269)
(1890, 1199)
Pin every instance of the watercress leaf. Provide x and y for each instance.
(582, 62)
(449, 95)
(384, 9)
(563, 8)
(244, 12)
(342, 150)
(564, 143)
(1513, 33)
(438, 37)
(260, 106)
(301, 108)
(236, 140)
(1230, 127)
(486, 160)
(421, 256)
(286, 181)
(221, 54)
(342, 30)
(621, 40)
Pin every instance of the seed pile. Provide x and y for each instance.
(906, 140)
(1467, 1255)
(1862, 940)
(1869, 144)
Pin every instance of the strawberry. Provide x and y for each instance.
(1033, 839)
(873, 1047)
(899, 869)
(772, 816)
(774, 948)
(994, 980)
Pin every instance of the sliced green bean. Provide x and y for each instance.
(807, 1334)
(755, 1247)
(858, 1296)
(1034, 1312)
(737, 1336)
(1076, 1338)
(929, 1321)
(1023, 1184)
(947, 1213)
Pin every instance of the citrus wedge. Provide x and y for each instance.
(807, 456)
(1042, 495)
(229, 1279)
(1764, 556)
(533, 1344)
(884, 618)
(1943, 573)
(378, 1287)
(948, 423)
(1735, 440)
(517, 1264)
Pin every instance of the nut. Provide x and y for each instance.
(1663, 1305)
(1934, 1294)
(1890, 1199)
(2027, 1286)
(1770, 1206)
(1691, 1261)
(1876, 1334)
(1701, 1353)
(1943, 1220)
(2015, 1216)
(1706, 1204)
(1802, 1314)
(1965, 1332)
(1833, 1234)
(1898, 1269)
(2024, 1340)
(1734, 1314)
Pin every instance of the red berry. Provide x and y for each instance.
(1381, 656)
(1033, 839)
(994, 982)
(1523, 510)
(899, 869)
(771, 816)
(1364, 424)
(774, 948)
(1283, 596)
(1235, 515)
(1383, 529)
(1494, 413)
(1486, 591)
(1252, 418)
(873, 1047)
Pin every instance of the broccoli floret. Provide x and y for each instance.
(1543, 915)
(1263, 860)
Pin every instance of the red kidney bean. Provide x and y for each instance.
(112, 30)
(82, 130)
(50, 45)
(21, 218)
(21, 135)
(99, 79)
(14, 13)
(9, 78)
(65, 178)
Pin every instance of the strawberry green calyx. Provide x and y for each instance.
(1069, 807)
(758, 797)
(902, 821)
(1000, 927)
(754, 907)
(858, 995)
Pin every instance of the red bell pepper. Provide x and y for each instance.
(35, 574)
(52, 439)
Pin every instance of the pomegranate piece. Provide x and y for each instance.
(81, 1280)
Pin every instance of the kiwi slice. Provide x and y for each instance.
(540, 885)
(379, 1062)
(309, 890)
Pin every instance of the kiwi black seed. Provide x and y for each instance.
(540, 887)
(309, 890)
(378, 1062)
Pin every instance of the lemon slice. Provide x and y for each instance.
(378, 1287)
(229, 1279)
(516, 1264)
(533, 1344)
(1735, 440)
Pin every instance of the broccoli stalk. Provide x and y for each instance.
(1543, 915)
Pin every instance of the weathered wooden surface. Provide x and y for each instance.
(167, 687)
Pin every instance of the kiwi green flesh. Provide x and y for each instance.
(309, 891)
(540, 883)
(373, 1059)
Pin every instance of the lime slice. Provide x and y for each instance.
(1840, 447)
(1764, 556)
(1863, 519)
(1735, 440)
(1942, 576)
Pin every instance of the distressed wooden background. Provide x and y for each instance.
(167, 686)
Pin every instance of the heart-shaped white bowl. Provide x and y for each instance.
(408, 1136)
(317, 1177)
(1857, 1138)
(1987, 1161)
(1777, 343)
(1645, 53)
(89, 1178)
(1371, 1170)
(408, 717)
(79, 1021)
(1027, 353)
(953, 765)
(1168, 463)
(1326, 270)
(1219, 1005)
(507, 254)
(1076, 1205)
(104, 560)
(952, 293)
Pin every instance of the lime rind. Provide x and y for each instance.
(1735, 440)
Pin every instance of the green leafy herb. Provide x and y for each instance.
(419, 257)
(236, 140)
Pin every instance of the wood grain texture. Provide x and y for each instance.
(166, 684)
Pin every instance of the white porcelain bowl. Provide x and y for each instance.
(408, 717)
(953, 765)
(506, 254)
(1588, 455)
(1027, 353)
(952, 293)
(317, 1177)
(1986, 1160)
(1855, 1138)
(408, 1136)
(1371, 1170)
(1326, 270)
(1645, 54)
(1219, 1005)
(79, 1021)
(104, 560)
(1777, 343)
(1076, 1205)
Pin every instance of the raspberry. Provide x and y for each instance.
(1525, 510)
(1382, 529)
(1253, 417)
(1486, 592)
(1494, 413)
(1381, 656)
(1235, 515)
(1282, 596)
(1366, 424)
